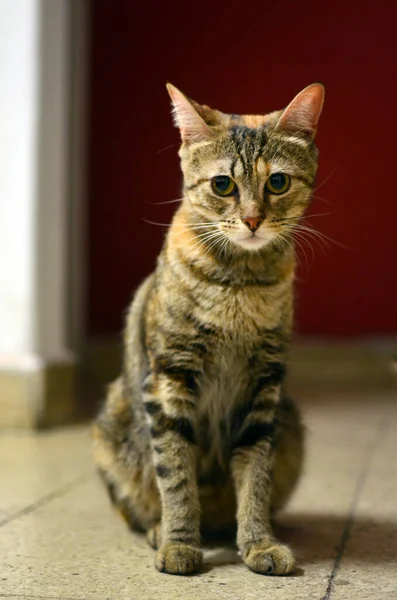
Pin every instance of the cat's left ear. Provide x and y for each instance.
(302, 114)
(191, 125)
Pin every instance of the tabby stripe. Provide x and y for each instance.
(304, 180)
(195, 185)
(201, 327)
(181, 530)
(147, 387)
(152, 407)
(169, 365)
(232, 167)
(163, 471)
(262, 143)
(295, 140)
(188, 539)
(181, 426)
(273, 342)
(205, 329)
(178, 373)
(177, 487)
(241, 413)
(191, 347)
(183, 402)
(265, 405)
(213, 277)
(182, 535)
(255, 433)
(275, 376)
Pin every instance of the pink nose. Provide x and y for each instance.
(252, 222)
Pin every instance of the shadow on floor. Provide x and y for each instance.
(318, 537)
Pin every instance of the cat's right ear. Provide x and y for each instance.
(302, 114)
(191, 125)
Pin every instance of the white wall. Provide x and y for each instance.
(19, 72)
(35, 112)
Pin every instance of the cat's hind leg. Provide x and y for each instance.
(124, 461)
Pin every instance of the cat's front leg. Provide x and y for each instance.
(170, 406)
(252, 468)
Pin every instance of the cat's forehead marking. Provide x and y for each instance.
(222, 166)
(248, 145)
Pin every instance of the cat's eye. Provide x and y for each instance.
(278, 183)
(223, 185)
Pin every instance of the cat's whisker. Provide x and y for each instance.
(215, 242)
(201, 242)
(204, 238)
(224, 246)
(208, 241)
(281, 220)
(297, 230)
(159, 224)
(317, 234)
(323, 200)
(305, 237)
(302, 251)
(300, 240)
(166, 148)
(284, 238)
(316, 215)
(166, 202)
(316, 238)
(191, 227)
(326, 179)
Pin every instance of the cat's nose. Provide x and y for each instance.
(252, 222)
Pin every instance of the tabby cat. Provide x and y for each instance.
(197, 435)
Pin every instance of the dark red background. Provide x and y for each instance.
(247, 57)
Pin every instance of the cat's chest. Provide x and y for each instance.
(224, 385)
(242, 313)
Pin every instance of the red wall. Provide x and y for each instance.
(251, 60)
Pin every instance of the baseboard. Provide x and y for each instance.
(322, 366)
(315, 366)
(37, 393)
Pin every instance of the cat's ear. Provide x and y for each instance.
(302, 114)
(191, 125)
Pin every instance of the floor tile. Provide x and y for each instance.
(70, 544)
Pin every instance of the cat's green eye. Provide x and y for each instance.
(278, 183)
(223, 185)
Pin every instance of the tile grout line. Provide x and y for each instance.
(29, 596)
(46, 499)
(382, 428)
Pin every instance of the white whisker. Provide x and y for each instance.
(166, 202)
(326, 179)
(322, 236)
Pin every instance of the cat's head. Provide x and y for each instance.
(250, 176)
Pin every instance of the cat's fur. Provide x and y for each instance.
(197, 434)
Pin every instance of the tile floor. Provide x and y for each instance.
(59, 538)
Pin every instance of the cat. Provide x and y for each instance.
(198, 435)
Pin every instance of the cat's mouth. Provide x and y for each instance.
(252, 242)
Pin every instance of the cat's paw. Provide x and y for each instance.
(178, 559)
(153, 536)
(270, 558)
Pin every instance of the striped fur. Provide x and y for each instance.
(197, 435)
